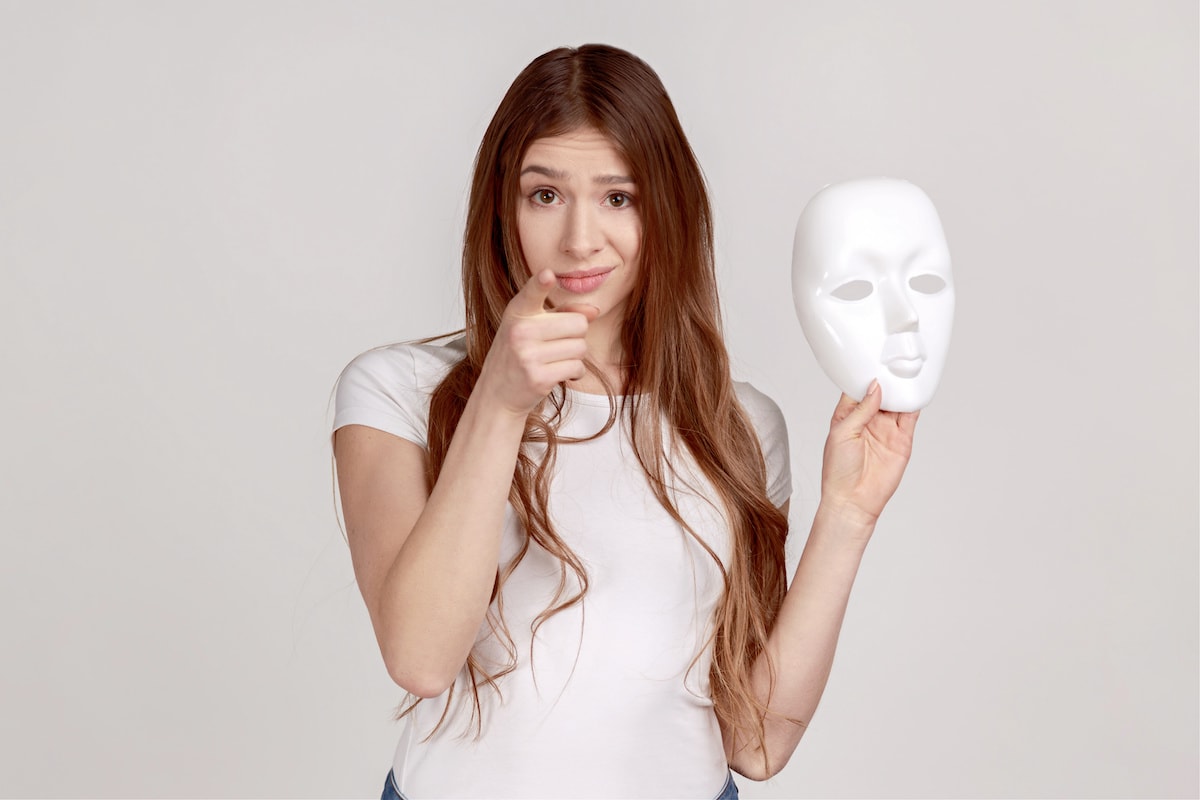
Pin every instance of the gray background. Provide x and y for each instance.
(207, 209)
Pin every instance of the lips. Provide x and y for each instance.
(904, 355)
(584, 281)
(905, 367)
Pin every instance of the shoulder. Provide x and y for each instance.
(389, 387)
(418, 365)
(764, 413)
(771, 429)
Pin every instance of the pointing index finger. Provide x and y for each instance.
(531, 299)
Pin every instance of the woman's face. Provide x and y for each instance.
(578, 216)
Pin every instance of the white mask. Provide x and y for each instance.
(873, 289)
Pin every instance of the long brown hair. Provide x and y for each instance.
(677, 365)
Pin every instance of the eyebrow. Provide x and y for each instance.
(558, 175)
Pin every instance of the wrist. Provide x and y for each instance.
(846, 520)
(488, 400)
(483, 413)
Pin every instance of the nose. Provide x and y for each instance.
(582, 233)
(899, 315)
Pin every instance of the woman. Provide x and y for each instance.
(568, 525)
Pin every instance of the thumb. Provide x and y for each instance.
(856, 417)
(587, 309)
(531, 299)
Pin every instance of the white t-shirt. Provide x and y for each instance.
(609, 699)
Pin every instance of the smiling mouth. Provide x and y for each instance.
(584, 281)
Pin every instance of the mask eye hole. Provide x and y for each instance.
(927, 284)
(853, 290)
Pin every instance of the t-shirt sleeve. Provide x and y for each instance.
(380, 389)
(771, 428)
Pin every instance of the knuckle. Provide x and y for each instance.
(522, 331)
(540, 382)
(530, 367)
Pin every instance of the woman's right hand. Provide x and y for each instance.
(535, 348)
(425, 555)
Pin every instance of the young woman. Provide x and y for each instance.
(568, 523)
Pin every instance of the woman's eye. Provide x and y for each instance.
(619, 200)
(544, 197)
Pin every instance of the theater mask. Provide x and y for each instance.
(873, 289)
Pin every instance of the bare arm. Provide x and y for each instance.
(426, 560)
(426, 557)
(865, 457)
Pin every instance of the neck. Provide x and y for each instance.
(604, 343)
(607, 353)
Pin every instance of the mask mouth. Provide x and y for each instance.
(904, 354)
(905, 367)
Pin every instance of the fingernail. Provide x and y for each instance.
(874, 387)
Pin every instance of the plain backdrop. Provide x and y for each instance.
(207, 209)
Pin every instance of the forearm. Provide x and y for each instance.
(801, 645)
(439, 586)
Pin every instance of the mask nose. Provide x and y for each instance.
(899, 314)
(582, 235)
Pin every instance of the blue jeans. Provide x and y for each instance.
(392, 792)
(730, 791)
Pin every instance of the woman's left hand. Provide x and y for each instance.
(865, 456)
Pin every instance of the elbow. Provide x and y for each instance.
(419, 678)
(756, 767)
(771, 771)
(756, 771)
(419, 659)
(424, 684)
(425, 691)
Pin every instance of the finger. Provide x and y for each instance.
(531, 299)
(907, 421)
(866, 409)
(556, 350)
(845, 405)
(561, 325)
(587, 309)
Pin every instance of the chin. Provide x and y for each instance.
(906, 395)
